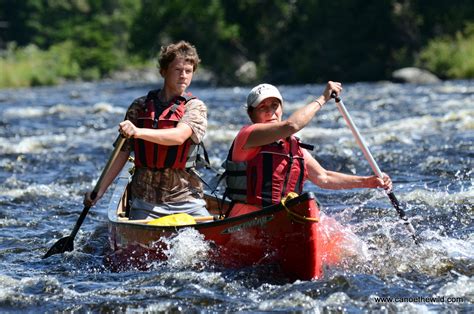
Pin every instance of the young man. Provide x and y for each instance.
(163, 130)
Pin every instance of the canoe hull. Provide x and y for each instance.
(283, 235)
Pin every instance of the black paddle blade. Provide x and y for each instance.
(61, 246)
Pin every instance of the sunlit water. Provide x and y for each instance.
(55, 141)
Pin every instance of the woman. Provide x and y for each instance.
(164, 130)
(266, 161)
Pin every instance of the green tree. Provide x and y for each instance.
(294, 41)
(451, 57)
(311, 40)
(97, 29)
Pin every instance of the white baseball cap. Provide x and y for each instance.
(262, 92)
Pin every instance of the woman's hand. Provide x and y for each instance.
(128, 129)
(385, 182)
(331, 87)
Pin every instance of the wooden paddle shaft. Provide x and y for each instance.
(118, 145)
(113, 156)
(67, 243)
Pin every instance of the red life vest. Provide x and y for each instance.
(153, 116)
(274, 172)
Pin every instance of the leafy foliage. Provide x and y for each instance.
(451, 57)
(294, 41)
(25, 66)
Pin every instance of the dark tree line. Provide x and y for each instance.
(294, 41)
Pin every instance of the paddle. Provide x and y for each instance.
(67, 243)
(373, 164)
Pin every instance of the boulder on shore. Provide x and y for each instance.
(246, 73)
(414, 75)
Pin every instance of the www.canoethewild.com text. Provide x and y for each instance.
(419, 299)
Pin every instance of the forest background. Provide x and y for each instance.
(45, 42)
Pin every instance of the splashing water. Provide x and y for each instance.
(186, 249)
(341, 245)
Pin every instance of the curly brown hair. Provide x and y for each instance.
(180, 49)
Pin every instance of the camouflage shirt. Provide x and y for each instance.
(168, 185)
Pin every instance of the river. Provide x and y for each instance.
(54, 142)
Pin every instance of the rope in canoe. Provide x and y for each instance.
(294, 216)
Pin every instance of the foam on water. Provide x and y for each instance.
(450, 88)
(29, 291)
(316, 133)
(58, 109)
(26, 112)
(442, 199)
(104, 107)
(458, 249)
(186, 249)
(218, 134)
(291, 301)
(463, 119)
(460, 288)
(25, 190)
(32, 144)
(391, 251)
(6, 222)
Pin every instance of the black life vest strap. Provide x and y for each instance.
(197, 174)
(205, 161)
(231, 205)
(306, 146)
(174, 107)
(299, 185)
(290, 164)
(152, 97)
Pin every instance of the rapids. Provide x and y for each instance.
(54, 142)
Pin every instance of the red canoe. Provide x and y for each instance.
(283, 234)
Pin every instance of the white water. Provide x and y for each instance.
(55, 141)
